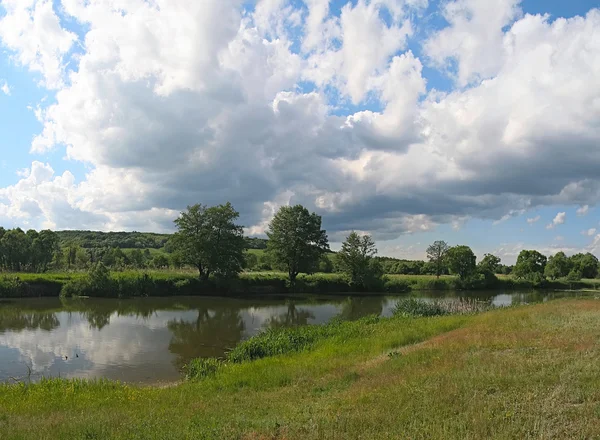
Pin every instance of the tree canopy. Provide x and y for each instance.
(436, 253)
(490, 263)
(209, 239)
(355, 259)
(530, 265)
(461, 261)
(558, 266)
(296, 240)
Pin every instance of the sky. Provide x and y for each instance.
(474, 122)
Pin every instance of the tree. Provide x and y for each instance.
(250, 260)
(437, 254)
(490, 263)
(296, 240)
(160, 261)
(136, 258)
(209, 239)
(530, 265)
(558, 266)
(355, 260)
(587, 264)
(461, 261)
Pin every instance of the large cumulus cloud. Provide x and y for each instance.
(177, 102)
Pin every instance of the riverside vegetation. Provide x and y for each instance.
(522, 372)
(295, 258)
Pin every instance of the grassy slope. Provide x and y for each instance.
(528, 372)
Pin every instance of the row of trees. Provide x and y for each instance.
(534, 266)
(31, 250)
(210, 240)
(530, 265)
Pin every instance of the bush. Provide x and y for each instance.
(11, 287)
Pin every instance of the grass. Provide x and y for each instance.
(414, 307)
(525, 372)
(138, 283)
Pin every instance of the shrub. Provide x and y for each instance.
(11, 287)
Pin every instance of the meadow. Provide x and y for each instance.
(522, 372)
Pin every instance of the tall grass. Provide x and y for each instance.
(414, 307)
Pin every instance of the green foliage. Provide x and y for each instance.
(413, 307)
(436, 253)
(296, 240)
(574, 275)
(490, 264)
(355, 260)
(587, 264)
(279, 341)
(418, 308)
(558, 266)
(209, 240)
(250, 261)
(461, 261)
(160, 261)
(530, 266)
(122, 240)
(11, 287)
(202, 367)
(31, 251)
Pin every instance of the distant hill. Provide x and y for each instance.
(130, 240)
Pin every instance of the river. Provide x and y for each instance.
(149, 340)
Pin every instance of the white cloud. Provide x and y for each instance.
(582, 211)
(33, 31)
(533, 220)
(558, 220)
(211, 104)
(475, 37)
(4, 88)
(590, 232)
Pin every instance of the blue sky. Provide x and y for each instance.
(490, 215)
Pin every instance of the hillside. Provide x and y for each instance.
(130, 240)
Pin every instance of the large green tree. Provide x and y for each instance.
(461, 261)
(296, 240)
(437, 256)
(209, 239)
(586, 264)
(355, 259)
(530, 265)
(558, 266)
(490, 263)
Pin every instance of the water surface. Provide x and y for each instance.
(149, 340)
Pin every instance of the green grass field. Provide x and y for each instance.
(526, 372)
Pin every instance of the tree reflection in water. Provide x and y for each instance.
(293, 317)
(355, 308)
(18, 321)
(211, 335)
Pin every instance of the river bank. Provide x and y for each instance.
(166, 283)
(500, 374)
